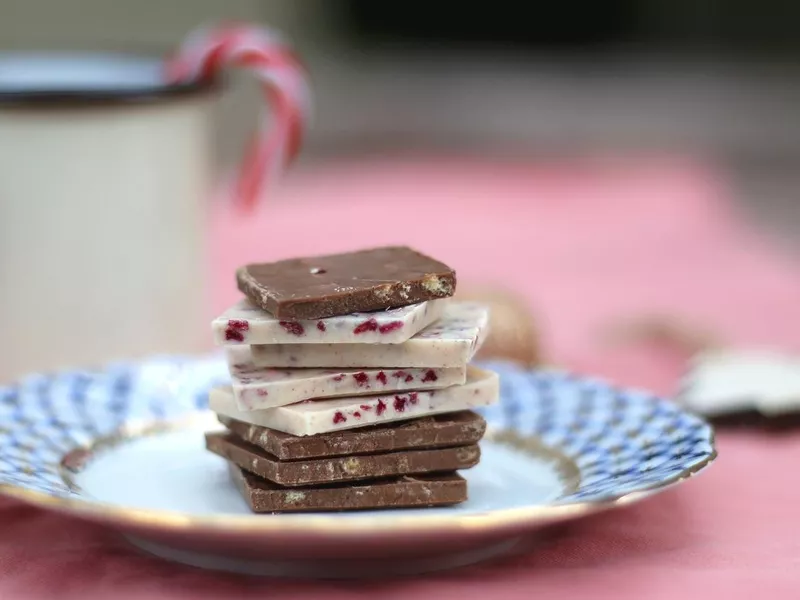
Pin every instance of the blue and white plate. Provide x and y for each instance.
(124, 446)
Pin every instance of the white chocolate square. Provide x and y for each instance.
(451, 341)
(319, 416)
(258, 388)
(244, 323)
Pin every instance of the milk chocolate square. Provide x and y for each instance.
(320, 471)
(438, 431)
(401, 492)
(340, 284)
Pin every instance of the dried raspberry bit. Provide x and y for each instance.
(380, 408)
(339, 377)
(381, 376)
(430, 375)
(409, 378)
(321, 326)
(399, 374)
(292, 327)
(338, 417)
(400, 403)
(235, 330)
(361, 378)
(413, 398)
(357, 415)
(366, 407)
(368, 325)
(391, 326)
(262, 393)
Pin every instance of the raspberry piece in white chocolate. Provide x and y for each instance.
(244, 323)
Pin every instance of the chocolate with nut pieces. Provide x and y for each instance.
(321, 471)
(401, 492)
(340, 284)
(437, 431)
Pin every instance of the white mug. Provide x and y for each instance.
(105, 174)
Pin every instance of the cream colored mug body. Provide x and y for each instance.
(104, 180)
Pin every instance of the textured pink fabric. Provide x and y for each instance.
(585, 243)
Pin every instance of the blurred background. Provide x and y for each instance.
(602, 160)
(717, 79)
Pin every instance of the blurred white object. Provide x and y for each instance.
(105, 165)
(104, 178)
(732, 381)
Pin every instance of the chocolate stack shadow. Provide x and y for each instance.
(350, 383)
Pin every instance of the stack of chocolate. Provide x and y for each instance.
(350, 383)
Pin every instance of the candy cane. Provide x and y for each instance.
(207, 51)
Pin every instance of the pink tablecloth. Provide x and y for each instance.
(585, 244)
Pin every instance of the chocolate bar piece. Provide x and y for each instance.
(755, 420)
(402, 492)
(722, 382)
(318, 287)
(320, 416)
(343, 468)
(244, 323)
(450, 342)
(438, 431)
(255, 389)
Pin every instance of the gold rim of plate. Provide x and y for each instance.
(322, 523)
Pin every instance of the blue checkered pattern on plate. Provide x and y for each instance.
(621, 440)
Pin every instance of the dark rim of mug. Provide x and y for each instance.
(71, 98)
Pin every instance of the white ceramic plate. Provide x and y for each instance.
(124, 447)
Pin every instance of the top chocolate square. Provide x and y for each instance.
(340, 284)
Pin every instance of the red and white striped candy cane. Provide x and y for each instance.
(207, 51)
